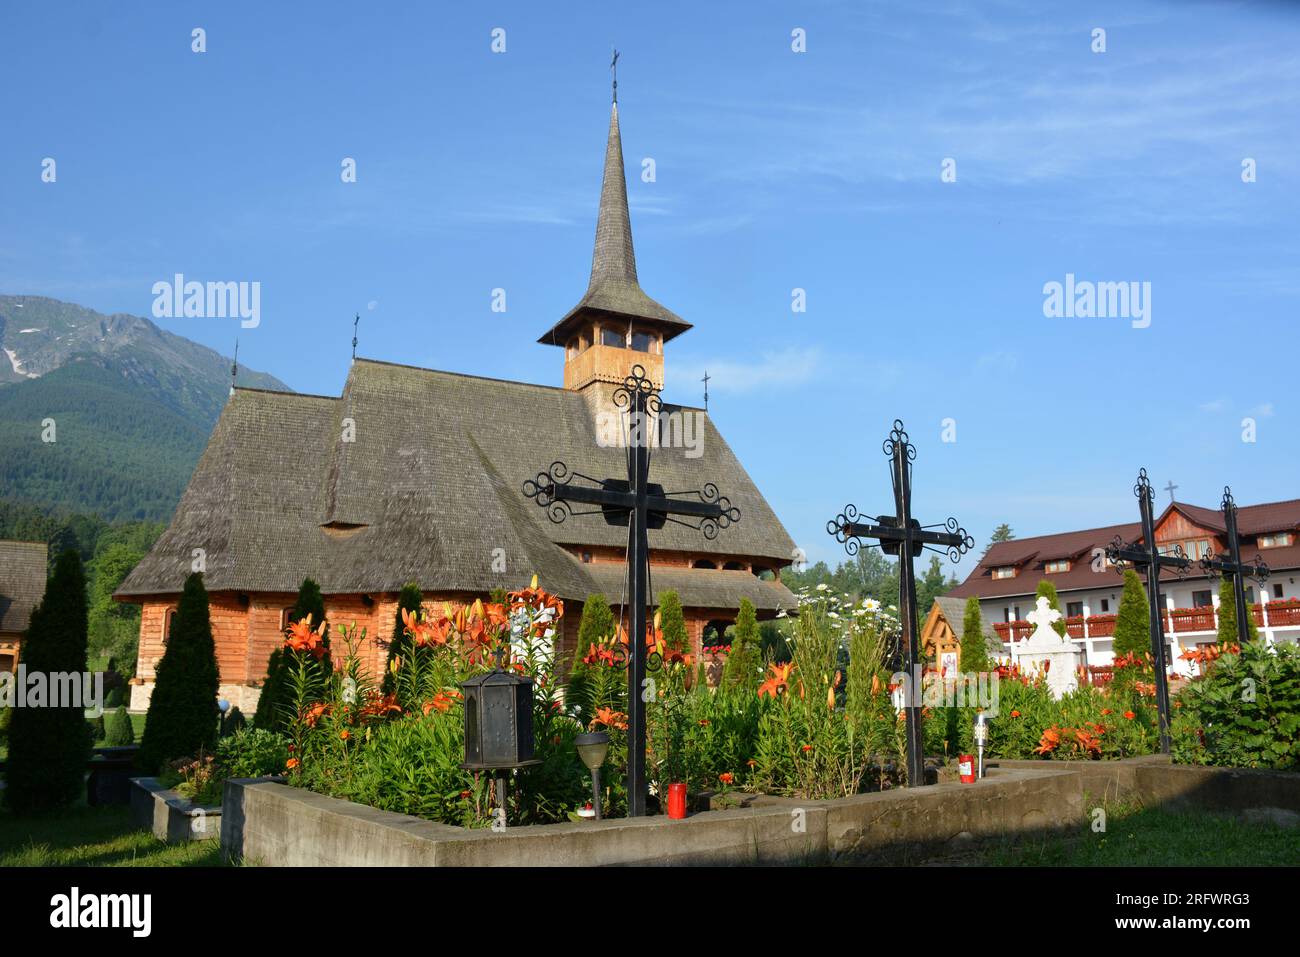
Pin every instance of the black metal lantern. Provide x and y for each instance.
(498, 721)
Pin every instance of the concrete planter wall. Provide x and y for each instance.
(171, 817)
(270, 823)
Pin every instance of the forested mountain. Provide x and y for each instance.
(103, 414)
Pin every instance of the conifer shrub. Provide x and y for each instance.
(672, 622)
(409, 601)
(1228, 616)
(183, 711)
(118, 732)
(49, 746)
(974, 651)
(745, 662)
(277, 692)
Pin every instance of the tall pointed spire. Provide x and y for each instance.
(614, 289)
(613, 260)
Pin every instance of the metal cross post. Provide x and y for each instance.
(900, 534)
(1149, 555)
(1214, 566)
(641, 505)
(705, 380)
(1171, 488)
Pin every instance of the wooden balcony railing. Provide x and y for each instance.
(1192, 619)
(1281, 614)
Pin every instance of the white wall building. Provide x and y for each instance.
(1007, 578)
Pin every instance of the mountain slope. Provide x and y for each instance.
(132, 405)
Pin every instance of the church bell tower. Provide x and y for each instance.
(615, 325)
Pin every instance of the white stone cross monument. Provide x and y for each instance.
(1046, 649)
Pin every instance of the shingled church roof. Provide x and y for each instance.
(429, 491)
(22, 582)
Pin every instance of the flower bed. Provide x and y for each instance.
(822, 725)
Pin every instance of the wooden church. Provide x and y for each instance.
(415, 475)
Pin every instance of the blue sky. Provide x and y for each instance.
(775, 170)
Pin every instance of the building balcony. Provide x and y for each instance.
(1271, 616)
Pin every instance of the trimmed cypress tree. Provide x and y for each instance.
(1228, 615)
(183, 708)
(745, 661)
(1133, 622)
(1048, 590)
(974, 654)
(672, 622)
(274, 699)
(118, 730)
(409, 600)
(49, 746)
(597, 623)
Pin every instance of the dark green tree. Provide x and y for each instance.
(1132, 623)
(274, 700)
(1002, 533)
(596, 624)
(672, 622)
(118, 731)
(931, 586)
(745, 662)
(49, 746)
(409, 600)
(1048, 590)
(183, 708)
(974, 643)
(1228, 615)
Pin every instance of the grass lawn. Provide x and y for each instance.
(94, 837)
(1148, 837)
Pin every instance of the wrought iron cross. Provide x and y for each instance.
(355, 322)
(1215, 566)
(640, 505)
(902, 535)
(705, 380)
(1148, 555)
(613, 72)
(1171, 488)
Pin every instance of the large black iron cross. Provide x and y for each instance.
(900, 534)
(1214, 566)
(641, 505)
(1149, 556)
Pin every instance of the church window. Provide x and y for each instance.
(613, 338)
(642, 341)
(168, 616)
(586, 558)
(284, 617)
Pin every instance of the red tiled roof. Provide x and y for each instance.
(1030, 553)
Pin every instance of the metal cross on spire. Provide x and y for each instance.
(1171, 488)
(355, 323)
(1149, 555)
(638, 504)
(900, 534)
(234, 367)
(613, 72)
(705, 380)
(1214, 565)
